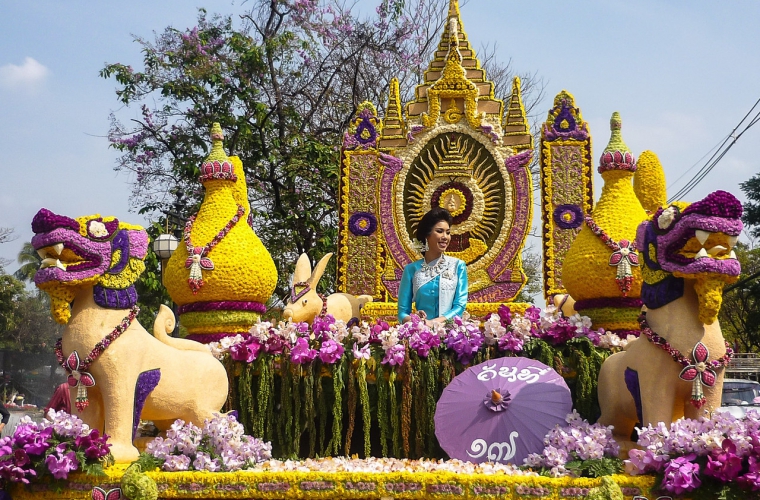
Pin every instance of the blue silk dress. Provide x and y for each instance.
(438, 288)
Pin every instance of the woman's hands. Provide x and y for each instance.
(431, 322)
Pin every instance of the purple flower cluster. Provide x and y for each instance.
(464, 338)
(722, 448)
(579, 440)
(328, 339)
(510, 332)
(56, 446)
(221, 445)
(421, 337)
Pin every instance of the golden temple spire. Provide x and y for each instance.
(394, 128)
(516, 129)
(454, 9)
(470, 67)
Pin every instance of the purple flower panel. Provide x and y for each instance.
(568, 216)
(362, 224)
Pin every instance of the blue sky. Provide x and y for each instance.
(682, 74)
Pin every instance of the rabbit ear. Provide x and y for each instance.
(316, 275)
(303, 269)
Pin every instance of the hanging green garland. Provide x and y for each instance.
(322, 403)
(432, 390)
(351, 408)
(382, 408)
(419, 404)
(406, 402)
(297, 418)
(310, 412)
(285, 424)
(395, 421)
(361, 375)
(246, 399)
(280, 401)
(337, 427)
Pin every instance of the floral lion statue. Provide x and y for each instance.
(118, 372)
(675, 368)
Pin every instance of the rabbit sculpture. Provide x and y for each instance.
(305, 303)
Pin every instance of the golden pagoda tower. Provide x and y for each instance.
(221, 276)
(601, 270)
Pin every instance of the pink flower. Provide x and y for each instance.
(750, 480)
(724, 466)
(246, 351)
(394, 356)
(362, 353)
(681, 475)
(61, 466)
(301, 353)
(330, 352)
(643, 461)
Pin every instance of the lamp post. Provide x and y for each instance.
(164, 246)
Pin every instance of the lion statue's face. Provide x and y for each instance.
(693, 242)
(95, 251)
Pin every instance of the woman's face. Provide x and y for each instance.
(440, 236)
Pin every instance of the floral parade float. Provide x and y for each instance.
(287, 408)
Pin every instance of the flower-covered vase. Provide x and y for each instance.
(221, 276)
(601, 269)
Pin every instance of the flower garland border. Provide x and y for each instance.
(337, 485)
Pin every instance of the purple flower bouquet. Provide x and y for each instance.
(54, 447)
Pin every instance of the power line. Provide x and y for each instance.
(718, 155)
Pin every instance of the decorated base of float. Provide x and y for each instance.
(497, 403)
(346, 485)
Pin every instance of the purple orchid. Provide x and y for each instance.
(301, 353)
(395, 355)
(246, 351)
(61, 464)
(726, 465)
(681, 475)
(330, 352)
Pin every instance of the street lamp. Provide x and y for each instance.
(165, 245)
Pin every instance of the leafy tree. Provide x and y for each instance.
(11, 292)
(283, 81)
(30, 262)
(740, 312)
(6, 235)
(34, 329)
(751, 215)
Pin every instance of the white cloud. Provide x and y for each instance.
(29, 73)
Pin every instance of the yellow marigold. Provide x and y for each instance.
(340, 485)
(649, 182)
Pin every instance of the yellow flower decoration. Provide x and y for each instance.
(454, 201)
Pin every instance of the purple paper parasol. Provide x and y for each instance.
(501, 410)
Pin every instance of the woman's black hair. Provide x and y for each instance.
(429, 220)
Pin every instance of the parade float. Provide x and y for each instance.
(339, 401)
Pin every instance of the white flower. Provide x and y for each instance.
(581, 323)
(338, 330)
(521, 326)
(492, 329)
(97, 229)
(666, 218)
(362, 353)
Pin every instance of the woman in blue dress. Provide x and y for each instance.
(437, 283)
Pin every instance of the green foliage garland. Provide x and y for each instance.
(321, 401)
(361, 375)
